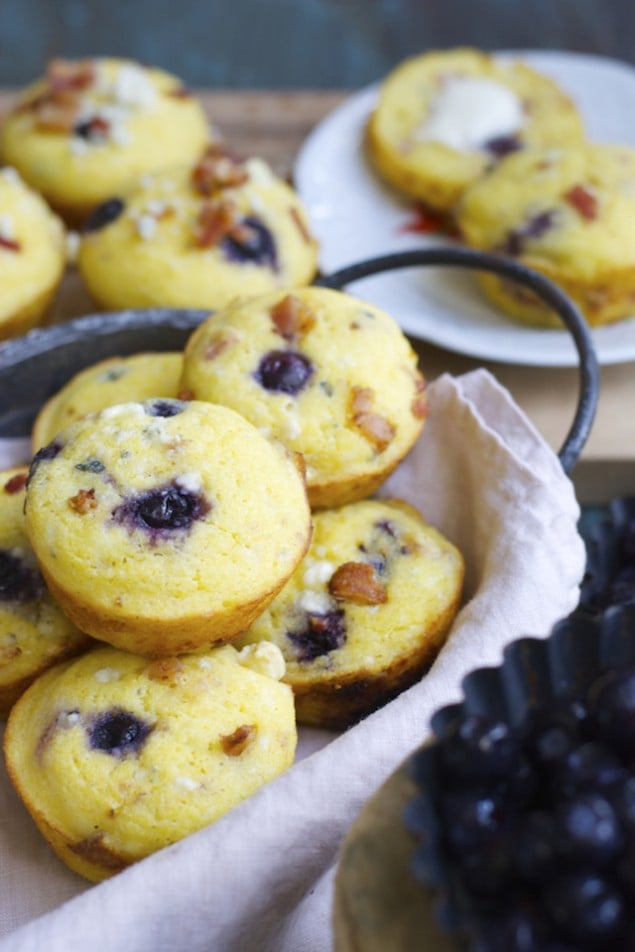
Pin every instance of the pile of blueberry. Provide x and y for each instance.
(535, 824)
(610, 573)
(529, 829)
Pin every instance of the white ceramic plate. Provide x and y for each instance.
(355, 216)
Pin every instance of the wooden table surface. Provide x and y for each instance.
(274, 125)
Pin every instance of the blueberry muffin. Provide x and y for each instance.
(165, 526)
(117, 756)
(32, 255)
(567, 213)
(34, 634)
(365, 613)
(444, 118)
(198, 237)
(111, 381)
(88, 128)
(329, 375)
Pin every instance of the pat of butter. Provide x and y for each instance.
(468, 112)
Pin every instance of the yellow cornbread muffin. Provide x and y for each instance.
(165, 526)
(330, 376)
(88, 128)
(34, 634)
(116, 756)
(568, 213)
(198, 237)
(111, 381)
(365, 613)
(32, 255)
(444, 117)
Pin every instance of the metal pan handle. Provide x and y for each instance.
(544, 288)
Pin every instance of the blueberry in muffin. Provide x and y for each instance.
(166, 525)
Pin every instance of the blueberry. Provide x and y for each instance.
(502, 145)
(622, 798)
(586, 908)
(522, 783)
(535, 853)
(487, 871)
(550, 735)
(471, 818)
(535, 227)
(514, 931)
(83, 129)
(104, 214)
(259, 248)
(89, 129)
(385, 525)
(621, 588)
(44, 454)
(625, 869)
(323, 633)
(18, 583)
(90, 465)
(378, 560)
(118, 732)
(47, 452)
(284, 371)
(556, 946)
(588, 830)
(115, 373)
(164, 408)
(627, 541)
(589, 766)
(165, 509)
(612, 709)
(476, 748)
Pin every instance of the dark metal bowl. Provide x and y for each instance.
(34, 367)
(609, 578)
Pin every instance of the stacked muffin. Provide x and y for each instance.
(151, 537)
(175, 530)
(168, 215)
(499, 149)
(32, 255)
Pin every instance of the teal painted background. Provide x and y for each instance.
(297, 43)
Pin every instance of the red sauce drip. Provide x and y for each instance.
(427, 221)
(9, 244)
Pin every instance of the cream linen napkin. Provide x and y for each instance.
(260, 879)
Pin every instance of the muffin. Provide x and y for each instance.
(32, 255)
(329, 375)
(165, 526)
(364, 615)
(443, 118)
(568, 213)
(34, 634)
(116, 756)
(111, 381)
(198, 237)
(89, 128)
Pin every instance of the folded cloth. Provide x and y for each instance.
(260, 879)
(14, 452)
